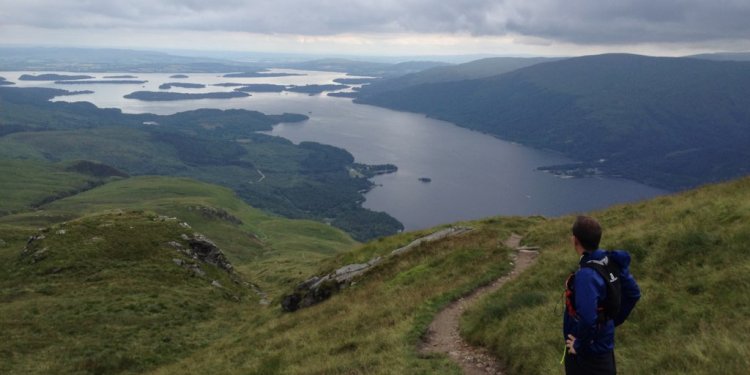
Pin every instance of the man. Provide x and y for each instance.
(589, 329)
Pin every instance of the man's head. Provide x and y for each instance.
(586, 233)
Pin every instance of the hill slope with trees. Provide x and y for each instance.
(669, 122)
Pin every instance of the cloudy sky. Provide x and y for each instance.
(385, 27)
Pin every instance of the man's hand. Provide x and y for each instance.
(569, 343)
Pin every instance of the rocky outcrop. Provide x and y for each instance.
(319, 288)
(216, 213)
(202, 249)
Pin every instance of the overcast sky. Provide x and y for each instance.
(385, 27)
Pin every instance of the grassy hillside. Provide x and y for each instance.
(690, 258)
(99, 290)
(28, 184)
(271, 250)
(103, 294)
(669, 122)
(688, 252)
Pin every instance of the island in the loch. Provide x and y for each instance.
(259, 75)
(157, 96)
(347, 94)
(179, 76)
(316, 89)
(425, 180)
(3, 82)
(261, 87)
(354, 81)
(229, 84)
(52, 77)
(184, 85)
(80, 92)
(102, 82)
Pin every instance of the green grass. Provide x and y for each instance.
(103, 295)
(27, 183)
(108, 298)
(690, 258)
(374, 326)
(273, 251)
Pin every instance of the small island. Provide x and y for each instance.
(124, 76)
(179, 76)
(229, 84)
(52, 77)
(348, 94)
(81, 92)
(426, 180)
(316, 89)
(3, 82)
(261, 87)
(157, 96)
(102, 81)
(185, 85)
(259, 75)
(354, 81)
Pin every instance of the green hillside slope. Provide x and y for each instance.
(102, 287)
(688, 254)
(669, 122)
(273, 251)
(689, 258)
(107, 294)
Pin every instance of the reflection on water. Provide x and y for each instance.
(472, 175)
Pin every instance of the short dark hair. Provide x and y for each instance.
(588, 232)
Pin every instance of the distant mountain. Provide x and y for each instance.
(724, 56)
(471, 70)
(110, 60)
(669, 122)
(364, 68)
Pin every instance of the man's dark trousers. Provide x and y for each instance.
(593, 364)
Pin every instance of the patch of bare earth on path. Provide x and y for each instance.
(443, 334)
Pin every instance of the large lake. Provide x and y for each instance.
(473, 175)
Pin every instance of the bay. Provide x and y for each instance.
(473, 175)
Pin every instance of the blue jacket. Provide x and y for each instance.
(590, 291)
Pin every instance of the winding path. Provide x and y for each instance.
(443, 334)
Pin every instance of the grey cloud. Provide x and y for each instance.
(576, 21)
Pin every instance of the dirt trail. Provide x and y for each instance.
(443, 335)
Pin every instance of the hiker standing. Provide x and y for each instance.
(599, 297)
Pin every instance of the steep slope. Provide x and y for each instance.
(482, 68)
(689, 258)
(670, 122)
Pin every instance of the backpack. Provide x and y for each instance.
(610, 273)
